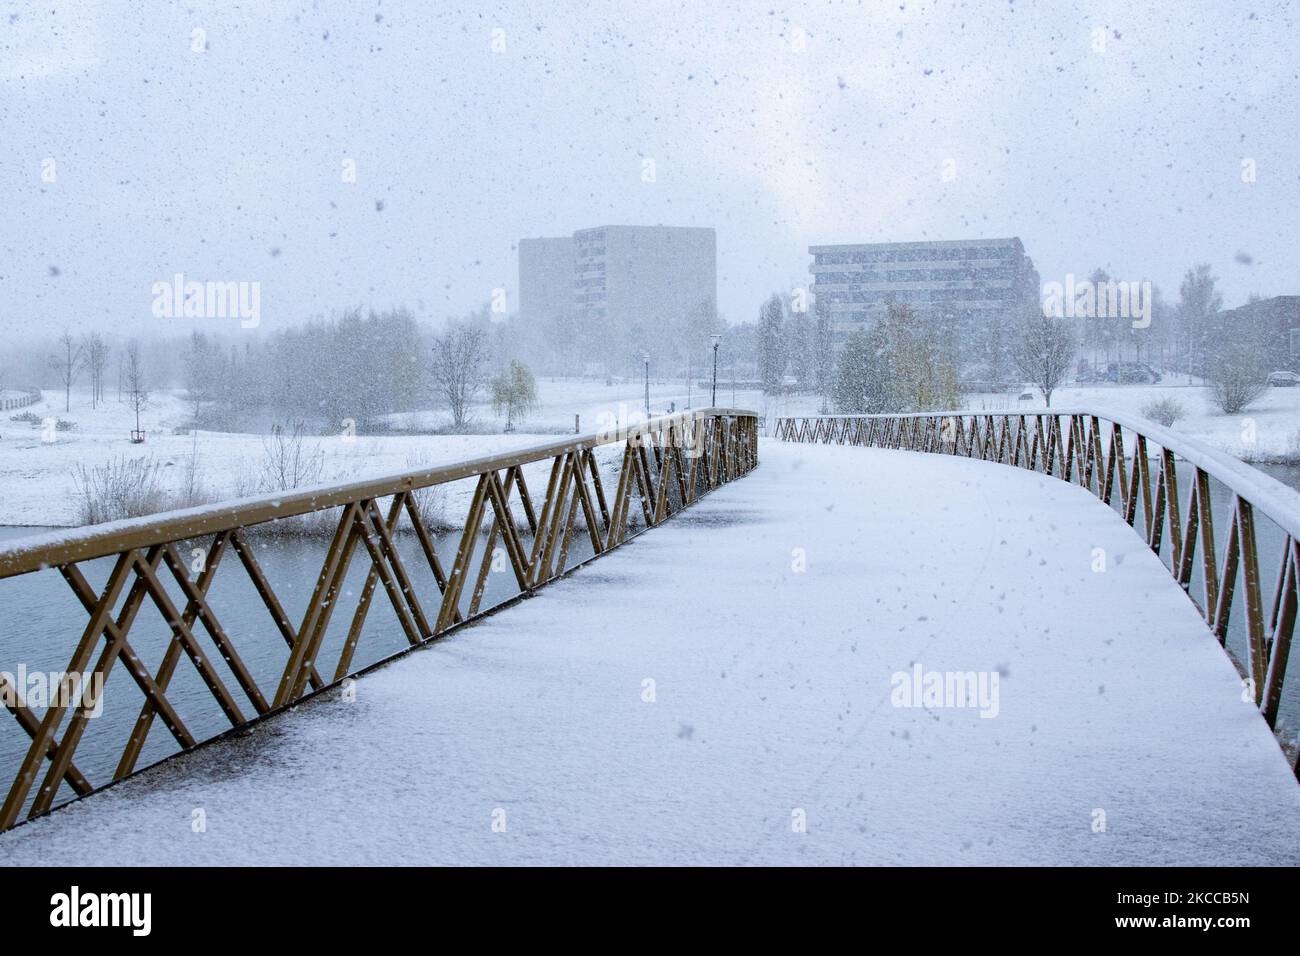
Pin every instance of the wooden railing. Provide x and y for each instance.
(665, 465)
(1089, 449)
(30, 397)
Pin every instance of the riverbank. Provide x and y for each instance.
(38, 465)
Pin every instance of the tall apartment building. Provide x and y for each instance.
(971, 284)
(1273, 327)
(545, 278)
(626, 285)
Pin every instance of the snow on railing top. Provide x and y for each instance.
(39, 551)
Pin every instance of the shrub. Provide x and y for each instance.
(288, 461)
(1233, 389)
(36, 421)
(192, 492)
(1166, 411)
(431, 500)
(121, 488)
(1236, 366)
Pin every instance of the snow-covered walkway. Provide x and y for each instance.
(696, 697)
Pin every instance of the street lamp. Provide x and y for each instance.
(716, 340)
(645, 356)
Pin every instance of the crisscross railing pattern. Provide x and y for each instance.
(666, 464)
(1088, 449)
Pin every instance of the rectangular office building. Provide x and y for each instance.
(629, 284)
(968, 284)
(545, 278)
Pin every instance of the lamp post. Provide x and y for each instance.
(645, 357)
(716, 340)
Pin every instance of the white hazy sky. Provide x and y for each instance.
(779, 126)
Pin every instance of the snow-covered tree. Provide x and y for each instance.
(862, 383)
(772, 355)
(901, 364)
(289, 461)
(95, 350)
(459, 358)
(1236, 363)
(67, 360)
(923, 374)
(1043, 350)
(799, 348)
(133, 381)
(1199, 303)
(514, 393)
(1100, 332)
(823, 352)
(202, 369)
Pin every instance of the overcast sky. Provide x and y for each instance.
(779, 126)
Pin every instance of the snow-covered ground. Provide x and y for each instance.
(592, 400)
(696, 698)
(1268, 430)
(36, 476)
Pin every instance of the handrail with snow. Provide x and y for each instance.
(1086, 447)
(667, 463)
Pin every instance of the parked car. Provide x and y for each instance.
(1129, 373)
(1121, 373)
(1284, 379)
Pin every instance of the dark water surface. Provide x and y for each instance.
(41, 622)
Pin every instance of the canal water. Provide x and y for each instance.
(41, 622)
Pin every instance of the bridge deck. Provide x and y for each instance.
(772, 695)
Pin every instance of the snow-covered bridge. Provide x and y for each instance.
(852, 655)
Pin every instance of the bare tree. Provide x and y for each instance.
(67, 361)
(824, 353)
(1198, 307)
(772, 353)
(459, 360)
(201, 362)
(288, 461)
(1043, 350)
(95, 350)
(137, 395)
